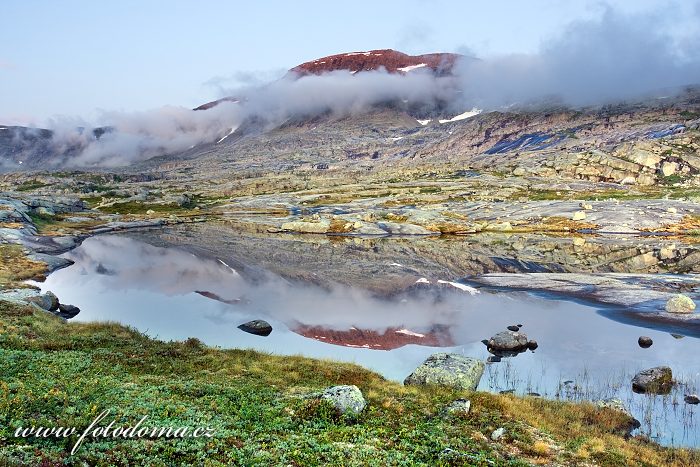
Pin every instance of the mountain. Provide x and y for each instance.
(392, 61)
(388, 59)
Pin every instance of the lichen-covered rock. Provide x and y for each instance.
(347, 399)
(657, 380)
(451, 370)
(458, 407)
(680, 304)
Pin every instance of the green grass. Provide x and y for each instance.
(30, 185)
(54, 373)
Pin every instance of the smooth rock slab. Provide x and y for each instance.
(258, 327)
(657, 380)
(452, 370)
(347, 399)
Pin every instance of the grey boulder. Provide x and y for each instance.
(657, 380)
(452, 370)
(347, 399)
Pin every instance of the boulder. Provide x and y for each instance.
(618, 405)
(645, 342)
(458, 407)
(258, 327)
(47, 301)
(680, 304)
(692, 399)
(67, 311)
(510, 341)
(657, 380)
(452, 370)
(498, 434)
(347, 400)
(578, 216)
(44, 211)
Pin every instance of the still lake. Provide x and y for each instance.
(170, 293)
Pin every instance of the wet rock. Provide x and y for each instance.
(507, 391)
(645, 342)
(509, 341)
(452, 370)
(47, 301)
(493, 359)
(258, 327)
(459, 407)
(348, 400)
(680, 304)
(67, 311)
(513, 328)
(485, 342)
(657, 380)
(692, 399)
(498, 434)
(534, 394)
(532, 345)
(677, 336)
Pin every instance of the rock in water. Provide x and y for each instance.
(657, 380)
(645, 342)
(680, 304)
(348, 400)
(67, 311)
(513, 328)
(692, 399)
(258, 327)
(452, 370)
(508, 341)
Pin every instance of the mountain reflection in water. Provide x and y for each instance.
(170, 293)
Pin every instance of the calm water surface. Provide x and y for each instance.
(581, 355)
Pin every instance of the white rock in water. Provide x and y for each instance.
(578, 216)
(680, 304)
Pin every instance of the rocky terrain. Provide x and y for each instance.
(586, 193)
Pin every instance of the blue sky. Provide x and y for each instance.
(76, 57)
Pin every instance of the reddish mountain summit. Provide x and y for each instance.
(390, 60)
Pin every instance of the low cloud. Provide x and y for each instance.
(613, 58)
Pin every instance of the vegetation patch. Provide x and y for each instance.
(54, 373)
(16, 267)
